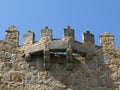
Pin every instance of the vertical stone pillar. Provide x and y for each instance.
(38, 63)
(88, 38)
(29, 38)
(69, 58)
(68, 34)
(12, 36)
(46, 59)
(46, 34)
(107, 41)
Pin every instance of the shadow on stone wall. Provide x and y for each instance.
(86, 75)
(101, 73)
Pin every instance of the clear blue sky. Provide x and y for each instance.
(96, 15)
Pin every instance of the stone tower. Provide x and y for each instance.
(12, 36)
(107, 40)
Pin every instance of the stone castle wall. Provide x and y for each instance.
(58, 64)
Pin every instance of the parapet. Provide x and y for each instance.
(12, 37)
(47, 45)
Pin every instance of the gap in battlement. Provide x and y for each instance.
(117, 41)
(2, 34)
(97, 40)
(57, 33)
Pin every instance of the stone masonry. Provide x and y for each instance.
(58, 64)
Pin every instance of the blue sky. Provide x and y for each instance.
(98, 16)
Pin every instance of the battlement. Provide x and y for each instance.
(86, 48)
(58, 64)
(12, 35)
(68, 35)
(88, 38)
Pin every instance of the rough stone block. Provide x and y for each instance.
(12, 35)
(30, 87)
(103, 59)
(15, 76)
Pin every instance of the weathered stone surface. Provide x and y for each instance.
(61, 46)
(12, 36)
(69, 58)
(68, 34)
(46, 34)
(42, 65)
(29, 37)
(46, 61)
(88, 38)
(107, 40)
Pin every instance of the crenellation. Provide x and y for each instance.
(107, 40)
(68, 34)
(46, 34)
(29, 38)
(12, 36)
(58, 64)
(88, 38)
